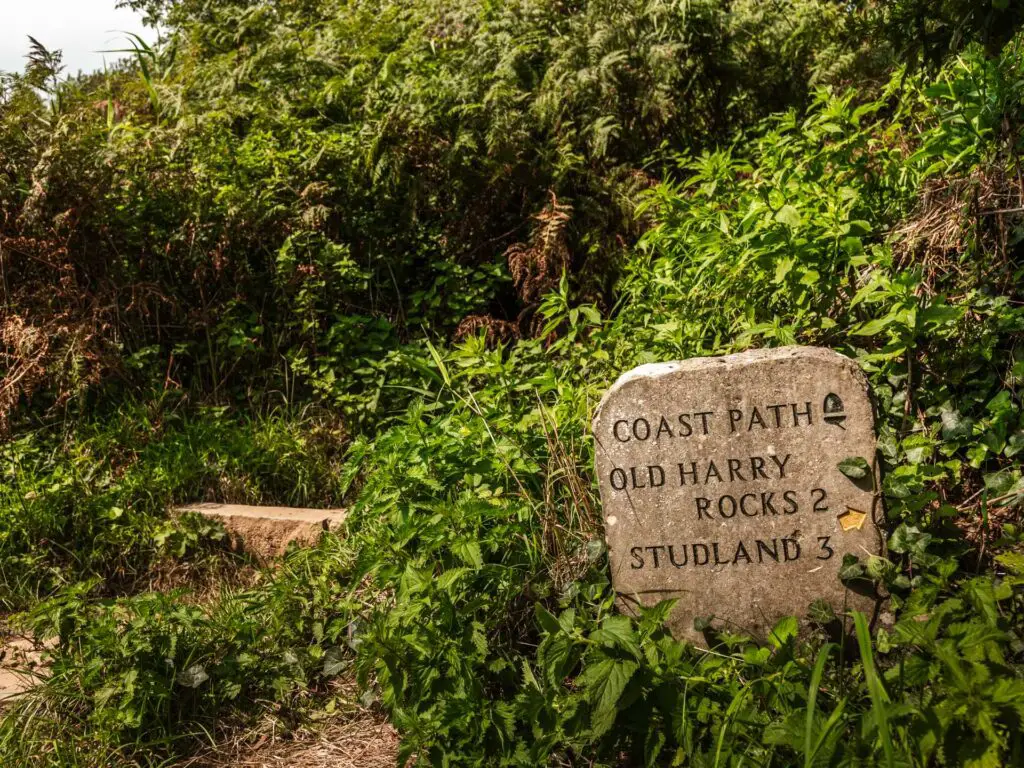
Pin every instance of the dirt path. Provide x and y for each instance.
(20, 661)
(356, 740)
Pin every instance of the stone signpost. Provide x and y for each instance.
(720, 485)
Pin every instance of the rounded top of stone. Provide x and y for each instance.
(736, 360)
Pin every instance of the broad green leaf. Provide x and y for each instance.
(604, 683)
(789, 216)
(1000, 483)
(783, 631)
(955, 426)
(873, 327)
(335, 661)
(851, 568)
(855, 467)
(618, 631)
(547, 620)
(469, 551)
(193, 676)
(879, 697)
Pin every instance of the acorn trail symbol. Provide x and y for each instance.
(833, 410)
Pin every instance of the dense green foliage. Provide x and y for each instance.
(279, 218)
(318, 181)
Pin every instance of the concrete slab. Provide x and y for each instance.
(266, 532)
(21, 664)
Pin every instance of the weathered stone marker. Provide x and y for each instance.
(720, 485)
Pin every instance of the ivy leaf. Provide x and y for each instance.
(879, 567)
(334, 661)
(1000, 483)
(193, 676)
(1001, 406)
(821, 612)
(595, 548)
(851, 568)
(855, 467)
(909, 539)
(955, 426)
(702, 623)
(918, 448)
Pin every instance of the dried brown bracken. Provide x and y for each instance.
(538, 265)
(959, 216)
(23, 352)
(57, 341)
(495, 331)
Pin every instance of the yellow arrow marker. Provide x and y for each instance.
(852, 519)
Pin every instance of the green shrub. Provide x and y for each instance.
(276, 197)
(95, 505)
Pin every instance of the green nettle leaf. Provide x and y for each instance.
(547, 620)
(855, 467)
(757, 656)
(618, 631)
(470, 553)
(604, 683)
(652, 617)
(450, 577)
(554, 657)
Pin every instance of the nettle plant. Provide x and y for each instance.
(781, 247)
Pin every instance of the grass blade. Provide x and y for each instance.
(879, 699)
(812, 697)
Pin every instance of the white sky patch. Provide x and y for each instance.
(82, 29)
